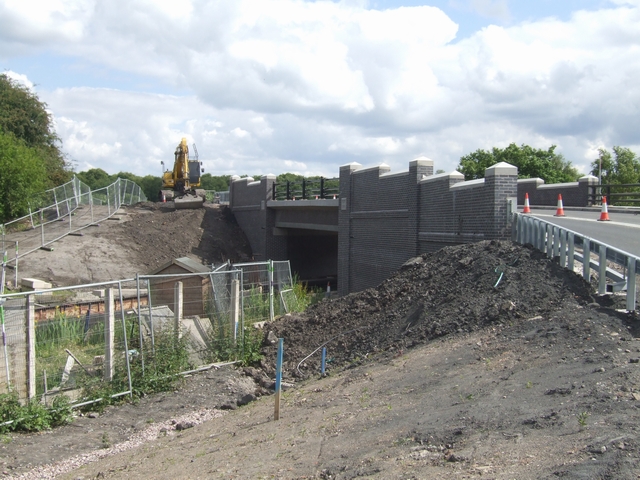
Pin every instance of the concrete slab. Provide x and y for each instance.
(35, 284)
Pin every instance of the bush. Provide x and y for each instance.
(34, 416)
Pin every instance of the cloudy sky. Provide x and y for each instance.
(274, 86)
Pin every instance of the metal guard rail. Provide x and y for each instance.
(559, 242)
(306, 189)
(622, 193)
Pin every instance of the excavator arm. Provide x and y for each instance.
(181, 182)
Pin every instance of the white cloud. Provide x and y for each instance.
(20, 78)
(273, 85)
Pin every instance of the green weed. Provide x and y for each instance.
(32, 417)
(582, 419)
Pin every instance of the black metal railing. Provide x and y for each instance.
(622, 194)
(307, 189)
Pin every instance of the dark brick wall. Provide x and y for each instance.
(383, 220)
(247, 199)
(575, 194)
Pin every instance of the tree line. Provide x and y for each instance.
(97, 178)
(32, 160)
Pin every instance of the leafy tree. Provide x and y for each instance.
(96, 178)
(531, 162)
(289, 177)
(217, 183)
(624, 168)
(150, 185)
(26, 117)
(23, 179)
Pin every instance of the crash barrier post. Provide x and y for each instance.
(569, 246)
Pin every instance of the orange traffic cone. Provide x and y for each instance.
(164, 198)
(526, 204)
(560, 210)
(604, 214)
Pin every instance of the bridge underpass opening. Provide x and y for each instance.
(313, 256)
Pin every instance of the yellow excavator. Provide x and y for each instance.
(181, 183)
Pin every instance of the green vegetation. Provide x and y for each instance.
(256, 308)
(152, 369)
(531, 162)
(623, 167)
(31, 160)
(582, 419)
(32, 417)
(97, 178)
(23, 180)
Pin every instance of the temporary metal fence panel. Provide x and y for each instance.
(69, 341)
(71, 208)
(614, 269)
(214, 196)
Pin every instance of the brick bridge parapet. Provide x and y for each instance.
(379, 221)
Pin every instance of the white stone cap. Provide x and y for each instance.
(502, 169)
(588, 179)
(440, 176)
(422, 160)
(560, 185)
(269, 175)
(535, 180)
(468, 184)
(382, 166)
(351, 166)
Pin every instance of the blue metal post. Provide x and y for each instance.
(324, 359)
(276, 414)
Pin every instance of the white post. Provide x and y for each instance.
(235, 308)
(270, 268)
(31, 347)
(177, 307)
(109, 335)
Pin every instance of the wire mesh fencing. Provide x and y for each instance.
(215, 196)
(117, 338)
(68, 342)
(67, 209)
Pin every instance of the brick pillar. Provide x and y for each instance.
(587, 186)
(501, 183)
(344, 227)
(231, 190)
(275, 245)
(418, 168)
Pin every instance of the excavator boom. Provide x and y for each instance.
(181, 182)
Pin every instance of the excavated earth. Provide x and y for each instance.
(140, 240)
(485, 360)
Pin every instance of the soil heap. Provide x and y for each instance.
(455, 290)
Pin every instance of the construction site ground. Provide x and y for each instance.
(485, 360)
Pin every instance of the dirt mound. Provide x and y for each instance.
(157, 234)
(146, 237)
(455, 290)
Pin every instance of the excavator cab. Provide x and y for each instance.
(181, 184)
